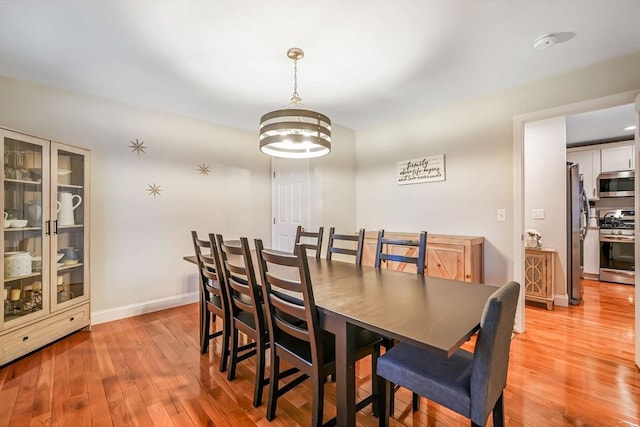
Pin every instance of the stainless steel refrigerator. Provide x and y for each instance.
(577, 213)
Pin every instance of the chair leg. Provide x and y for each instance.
(374, 383)
(272, 401)
(318, 401)
(385, 396)
(225, 345)
(205, 324)
(233, 356)
(392, 399)
(498, 412)
(415, 402)
(259, 381)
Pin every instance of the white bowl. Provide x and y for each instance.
(18, 223)
(7, 223)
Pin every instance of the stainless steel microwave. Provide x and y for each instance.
(616, 184)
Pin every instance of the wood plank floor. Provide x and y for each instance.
(573, 367)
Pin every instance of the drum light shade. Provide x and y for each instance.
(295, 132)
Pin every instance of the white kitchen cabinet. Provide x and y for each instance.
(589, 167)
(618, 158)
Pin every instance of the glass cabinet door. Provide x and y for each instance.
(26, 246)
(69, 227)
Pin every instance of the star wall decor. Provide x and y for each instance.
(137, 146)
(203, 169)
(154, 190)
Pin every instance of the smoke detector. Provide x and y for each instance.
(545, 41)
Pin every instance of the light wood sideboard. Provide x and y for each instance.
(448, 256)
(539, 275)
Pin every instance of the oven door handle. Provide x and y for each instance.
(622, 239)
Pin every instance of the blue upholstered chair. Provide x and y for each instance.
(470, 384)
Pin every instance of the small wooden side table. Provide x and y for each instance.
(539, 275)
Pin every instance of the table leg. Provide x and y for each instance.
(345, 372)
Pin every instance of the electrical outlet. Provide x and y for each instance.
(501, 215)
(537, 213)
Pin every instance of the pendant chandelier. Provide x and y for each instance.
(295, 132)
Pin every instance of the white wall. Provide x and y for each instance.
(545, 188)
(138, 241)
(338, 172)
(476, 138)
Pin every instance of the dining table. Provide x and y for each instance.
(432, 313)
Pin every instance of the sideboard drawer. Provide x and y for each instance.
(24, 340)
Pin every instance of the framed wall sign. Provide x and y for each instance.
(418, 171)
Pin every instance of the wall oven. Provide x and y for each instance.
(616, 184)
(617, 245)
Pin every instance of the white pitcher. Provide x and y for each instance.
(66, 207)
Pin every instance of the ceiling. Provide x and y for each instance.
(366, 62)
(601, 125)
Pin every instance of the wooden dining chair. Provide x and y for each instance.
(213, 295)
(293, 322)
(408, 257)
(334, 247)
(311, 240)
(470, 384)
(247, 314)
(409, 246)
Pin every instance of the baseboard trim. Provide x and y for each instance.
(590, 276)
(130, 310)
(561, 300)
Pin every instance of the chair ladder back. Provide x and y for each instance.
(301, 233)
(240, 278)
(357, 252)
(208, 267)
(290, 306)
(411, 245)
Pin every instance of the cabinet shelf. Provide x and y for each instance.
(22, 181)
(65, 227)
(70, 186)
(70, 266)
(23, 229)
(26, 276)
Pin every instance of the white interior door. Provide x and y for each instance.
(290, 188)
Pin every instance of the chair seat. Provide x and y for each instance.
(249, 320)
(444, 381)
(302, 350)
(215, 300)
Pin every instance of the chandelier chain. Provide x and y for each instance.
(295, 98)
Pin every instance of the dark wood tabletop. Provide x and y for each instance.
(436, 314)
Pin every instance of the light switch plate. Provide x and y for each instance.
(501, 215)
(537, 213)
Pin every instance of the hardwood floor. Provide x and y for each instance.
(573, 367)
